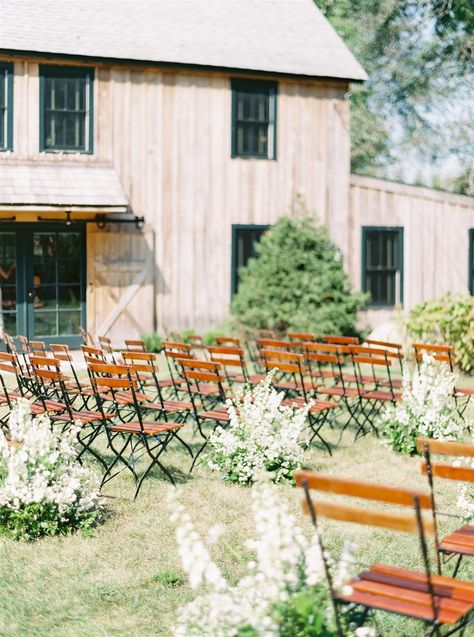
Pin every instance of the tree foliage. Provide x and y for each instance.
(419, 55)
(296, 280)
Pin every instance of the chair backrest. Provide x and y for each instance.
(375, 358)
(37, 348)
(135, 345)
(408, 522)
(340, 340)
(46, 369)
(302, 336)
(87, 337)
(288, 362)
(396, 347)
(93, 354)
(105, 344)
(61, 352)
(9, 364)
(395, 521)
(272, 343)
(429, 447)
(195, 340)
(228, 340)
(441, 353)
(227, 355)
(9, 342)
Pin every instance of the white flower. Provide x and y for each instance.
(286, 562)
(261, 435)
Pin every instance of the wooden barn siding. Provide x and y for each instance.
(436, 228)
(171, 147)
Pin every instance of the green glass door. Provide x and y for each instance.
(45, 291)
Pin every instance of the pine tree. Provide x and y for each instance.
(296, 280)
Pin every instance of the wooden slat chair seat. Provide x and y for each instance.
(433, 599)
(459, 543)
(137, 438)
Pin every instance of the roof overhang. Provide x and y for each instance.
(53, 187)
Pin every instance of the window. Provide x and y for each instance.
(471, 262)
(254, 119)
(382, 265)
(66, 103)
(244, 239)
(6, 107)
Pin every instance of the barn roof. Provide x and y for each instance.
(275, 36)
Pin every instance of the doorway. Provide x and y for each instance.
(42, 281)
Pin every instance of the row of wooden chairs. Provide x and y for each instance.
(444, 604)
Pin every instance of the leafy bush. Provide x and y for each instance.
(43, 490)
(297, 280)
(428, 408)
(153, 341)
(284, 593)
(449, 319)
(262, 435)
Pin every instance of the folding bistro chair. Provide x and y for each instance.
(52, 389)
(144, 369)
(9, 366)
(77, 390)
(395, 352)
(460, 543)
(298, 389)
(174, 351)
(204, 380)
(233, 357)
(370, 394)
(87, 338)
(138, 438)
(105, 345)
(445, 354)
(441, 603)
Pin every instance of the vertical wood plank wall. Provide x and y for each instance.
(436, 231)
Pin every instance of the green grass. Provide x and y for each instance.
(127, 580)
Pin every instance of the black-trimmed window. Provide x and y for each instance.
(254, 105)
(6, 106)
(382, 265)
(244, 240)
(471, 262)
(66, 109)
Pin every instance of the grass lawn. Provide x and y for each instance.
(126, 579)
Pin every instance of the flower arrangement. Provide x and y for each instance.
(427, 409)
(284, 592)
(43, 490)
(262, 435)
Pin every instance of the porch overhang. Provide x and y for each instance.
(85, 189)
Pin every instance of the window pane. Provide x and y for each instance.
(9, 322)
(45, 297)
(69, 323)
(382, 266)
(66, 114)
(252, 117)
(45, 323)
(69, 296)
(69, 244)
